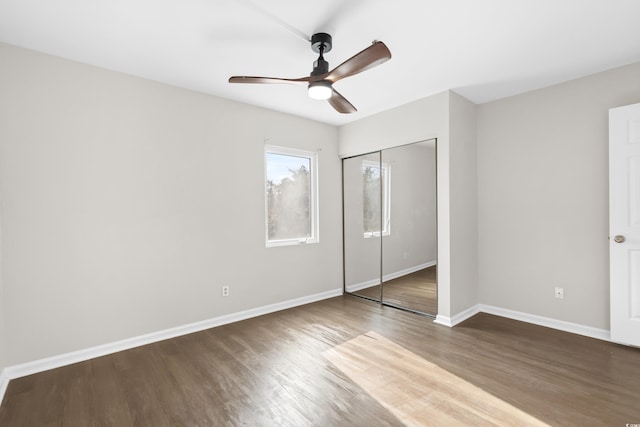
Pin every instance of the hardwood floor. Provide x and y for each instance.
(416, 291)
(419, 392)
(274, 370)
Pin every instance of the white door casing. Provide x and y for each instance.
(624, 223)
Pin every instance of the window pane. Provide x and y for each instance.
(375, 206)
(371, 208)
(288, 197)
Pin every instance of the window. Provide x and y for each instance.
(375, 200)
(291, 196)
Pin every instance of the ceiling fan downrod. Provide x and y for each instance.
(321, 89)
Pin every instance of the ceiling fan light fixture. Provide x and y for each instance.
(320, 90)
(320, 82)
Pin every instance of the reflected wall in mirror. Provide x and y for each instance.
(409, 245)
(362, 225)
(390, 242)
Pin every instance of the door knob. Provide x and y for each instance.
(619, 239)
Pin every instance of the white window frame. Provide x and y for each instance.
(313, 208)
(386, 201)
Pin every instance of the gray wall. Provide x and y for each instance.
(127, 204)
(464, 203)
(543, 197)
(3, 340)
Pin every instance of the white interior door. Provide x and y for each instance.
(624, 223)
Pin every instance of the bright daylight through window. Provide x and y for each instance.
(376, 195)
(291, 196)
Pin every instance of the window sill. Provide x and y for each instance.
(376, 234)
(290, 242)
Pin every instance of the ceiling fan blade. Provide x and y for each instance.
(263, 80)
(374, 55)
(341, 104)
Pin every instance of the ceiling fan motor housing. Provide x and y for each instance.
(321, 39)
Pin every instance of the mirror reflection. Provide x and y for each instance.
(362, 225)
(409, 244)
(390, 226)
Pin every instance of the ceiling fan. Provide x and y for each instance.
(320, 81)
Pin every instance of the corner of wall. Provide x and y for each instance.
(4, 381)
(464, 203)
(3, 344)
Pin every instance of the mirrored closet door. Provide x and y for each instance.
(362, 224)
(390, 226)
(409, 243)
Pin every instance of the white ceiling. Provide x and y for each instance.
(482, 49)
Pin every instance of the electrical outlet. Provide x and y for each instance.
(559, 292)
(225, 291)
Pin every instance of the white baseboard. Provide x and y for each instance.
(458, 318)
(409, 270)
(561, 325)
(362, 285)
(41, 365)
(375, 282)
(4, 382)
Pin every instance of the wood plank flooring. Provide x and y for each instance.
(416, 291)
(272, 371)
(419, 392)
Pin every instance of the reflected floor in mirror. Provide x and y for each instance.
(416, 291)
